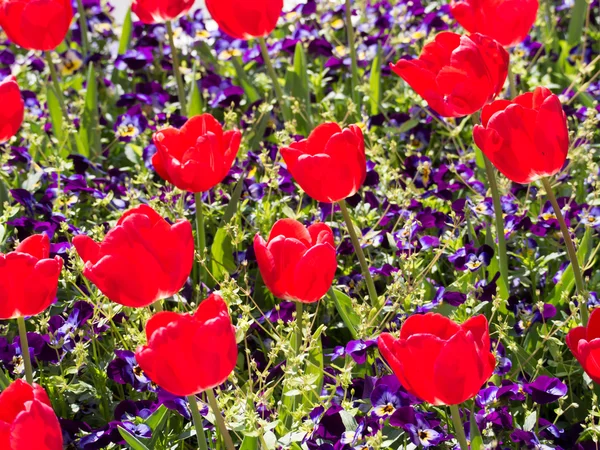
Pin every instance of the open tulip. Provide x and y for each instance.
(28, 278)
(187, 354)
(506, 21)
(457, 74)
(13, 107)
(584, 343)
(330, 165)
(527, 138)
(142, 260)
(36, 24)
(438, 360)
(27, 421)
(242, 19)
(159, 11)
(297, 263)
(198, 156)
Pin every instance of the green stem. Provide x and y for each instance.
(276, 86)
(176, 71)
(200, 235)
(25, 350)
(361, 256)
(579, 283)
(299, 325)
(200, 436)
(512, 82)
(56, 84)
(85, 46)
(459, 431)
(499, 218)
(353, 58)
(219, 418)
(157, 305)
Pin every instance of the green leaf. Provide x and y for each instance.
(195, 106)
(126, 33)
(3, 196)
(235, 199)
(131, 440)
(157, 417)
(375, 83)
(55, 112)
(475, 435)
(4, 380)
(314, 367)
(530, 421)
(577, 22)
(221, 251)
(249, 443)
(243, 79)
(344, 307)
(89, 132)
(567, 281)
(297, 86)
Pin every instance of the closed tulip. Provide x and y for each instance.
(142, 260)
(190, 353)
(584, 343)
(527, 138)
(36, 24)
(27, 421)
(13, 107)
(28, 278)
(159, 11)
(439, 361)
(242, 19)
(198, 156)
(457, 74)
(506, 21)
(330, 165)
(297, 263)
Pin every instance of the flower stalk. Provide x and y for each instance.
(200, 235)
(276, 86)
(200, 435)
(25, 350)
(219, 419)
(176, 69)
(459, 431)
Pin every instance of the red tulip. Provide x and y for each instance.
(27, 421)
(243, 19)
(13, 107)
(159, 11)
(330, 165)
(438, 360)
(527, 138)
(297, 263)
(584, 343)
(142, 260)
(456, 74)
(36, 24)
(198, 156)
(28, 278)
(187, 354)
(506, 21)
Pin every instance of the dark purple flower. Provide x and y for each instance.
(546, 389)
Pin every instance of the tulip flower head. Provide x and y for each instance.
(526, 138)
(506, 21)
(13, 108)
(159, 11)
(27, 421)
(198, 156)
(28, 278)
(187, 354)
(439, 361)
(142, 260)
(243, 19)
(330, 165)
(36, 24)
(457, 75)
(584, 343)
(297, 263)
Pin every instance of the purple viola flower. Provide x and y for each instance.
(125, 370)
(545, 389)
(357, 350)
(591, 218)
(529, 440)
(469, 258)
(131, 124)
(503, 363)
(135, 59)
(384, 402)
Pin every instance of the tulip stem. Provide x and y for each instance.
(219, 419)
(25, 350)
(512, 82)
(579, 283)
(276, 86)
(157, 305)
(200, 436)
(85, 45)
(299, 324)
(499, 218)
(361, 256)
(459, 431)
(353, 58)
(200, 236)
(176, 71)
(56, 84)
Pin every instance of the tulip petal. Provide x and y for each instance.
(431, 323)
(41, 418)
(589, 358)
(551, 137)
(87, 248)
(37, 246)
(318, 139)
(290, 228)
(266, 264)
(158, 321)
(573, 337)
(479, 328)
(314, 273)
(320, 233)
